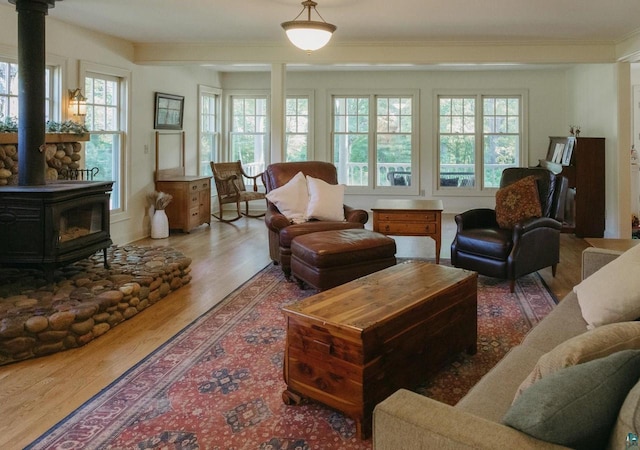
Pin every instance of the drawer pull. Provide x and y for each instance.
(194, 188)
(387, 228)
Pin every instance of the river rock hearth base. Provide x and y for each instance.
(85, 300)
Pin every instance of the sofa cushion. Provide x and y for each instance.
(628, 419)
(492, 396)
(562, 323)
(612, 294)
(292, 198)
(326, 201)
(588, 346)
(518, 201)
(577, 406)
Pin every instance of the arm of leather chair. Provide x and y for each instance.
(274, 219)
(527, 225)
(355, 215)
(476, 218)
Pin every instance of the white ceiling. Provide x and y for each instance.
(358, 21)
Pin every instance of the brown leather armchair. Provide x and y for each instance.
(482, 246)
(281, 231)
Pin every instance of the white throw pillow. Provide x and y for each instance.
(612, 294)
(292, 198)
(326, 201)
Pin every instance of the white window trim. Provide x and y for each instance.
(123, 213)
(228, 118)
(58, 64)
(412, 190)
(209, 90)
(478, 190)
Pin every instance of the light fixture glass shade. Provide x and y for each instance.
(77, 103)
(309, 34)
(308, 39)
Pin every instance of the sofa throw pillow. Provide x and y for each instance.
(326, 201)
(518, 201)
(594, 344)
(577, 406)
(612, 294)
(292, 198)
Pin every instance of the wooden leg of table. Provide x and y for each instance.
(438, 245)
(292, 398)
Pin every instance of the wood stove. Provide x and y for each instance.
(54, 224)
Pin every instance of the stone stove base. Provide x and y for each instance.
(85, 300)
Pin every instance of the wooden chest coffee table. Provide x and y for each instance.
(352, 346)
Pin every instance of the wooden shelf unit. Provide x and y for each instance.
(586, 174)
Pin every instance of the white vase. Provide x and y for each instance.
(159, 225)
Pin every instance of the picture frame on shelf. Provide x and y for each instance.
(169, 112)
(568, 151)
(561, 149)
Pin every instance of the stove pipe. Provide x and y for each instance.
(31, 90)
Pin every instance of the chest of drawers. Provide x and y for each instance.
(191, 203)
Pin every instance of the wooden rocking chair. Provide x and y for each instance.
(229, 179)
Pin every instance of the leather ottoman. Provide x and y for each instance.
(330, 258)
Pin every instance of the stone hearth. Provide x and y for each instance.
(85, 300)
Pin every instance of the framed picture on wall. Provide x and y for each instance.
(169, 112)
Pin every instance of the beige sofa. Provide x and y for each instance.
(407, 420)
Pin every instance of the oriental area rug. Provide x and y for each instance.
(218, 383)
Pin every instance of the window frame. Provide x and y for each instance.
(228, 107)
(479, 94)
(124, 156)
(210, 91)
(53, 104)
(373, 95)
(309, 96)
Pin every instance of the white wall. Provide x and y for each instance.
(592, 99)
(68, 45)
(547, 110)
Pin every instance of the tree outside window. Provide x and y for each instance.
(104, 149)
(464, 152)
(297, 129)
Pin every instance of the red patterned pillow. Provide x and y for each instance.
(518, 201)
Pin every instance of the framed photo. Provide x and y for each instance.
(169, 112)
(561, 150)
(568, 151)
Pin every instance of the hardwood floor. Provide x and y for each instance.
(36, 394)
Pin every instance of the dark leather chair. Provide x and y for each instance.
(482, 246)
(281, 231)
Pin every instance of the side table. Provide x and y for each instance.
(410, 218)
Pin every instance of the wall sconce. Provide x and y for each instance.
(77, 103)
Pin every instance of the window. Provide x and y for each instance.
(373, 140)
(477, 143)
(249, 132)
(9, 91)
(394, 141)
(297, 128)
(104, 121)
(209, 129)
